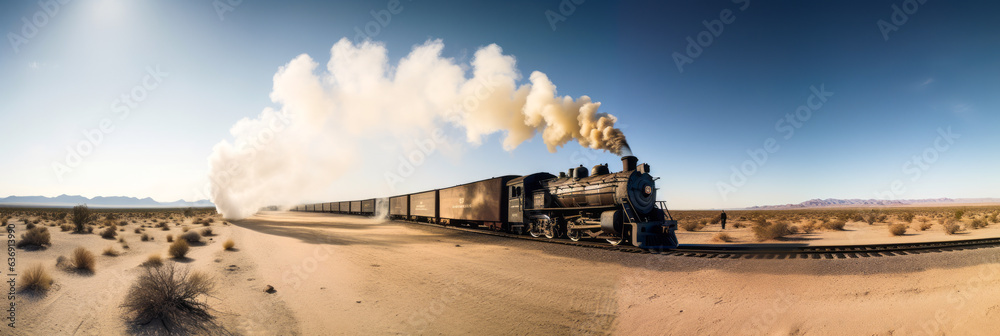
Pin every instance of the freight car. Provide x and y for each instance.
(578, 204)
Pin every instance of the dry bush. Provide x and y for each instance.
(66, 227)
(83, 260)
(691, 226)
(897, 229)
(179, 249)
(35, 278)
(766, 231)
(906, 217)
(723, 237)
(29, 226)
(739, 225)
(81, 216)
(153, 260)
(191, 237)
(110, 232)
(924, 226)
(138, 230)
(185, 229)
(171, 295)
(38, 236)
(228, 245)
(170, 238)
(978, 223)
(835, 224)
(809, 226)
(110, 251)
(950, 227)
(959, 214)
(90, 229)
(207, 232)
(144, 237)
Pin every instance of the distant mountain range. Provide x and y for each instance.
(100, 201)
(833, 202)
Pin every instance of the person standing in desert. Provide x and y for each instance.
(722, 218)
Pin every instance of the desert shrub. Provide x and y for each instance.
(138, 230)
(739, 225)
(171, 295)
(83, 260)
(179, 249)
(35, 278)
(723, 237)
(110, 251)
(153, 260)
(189, 212)
(29, 226)
(191, 236)
(992, 218)
(834, 224)
(228, 245)
(906, 217)
(170, 238)
(38, 236)
(207, 232)
(185, 229)
(144, 237)
(90, 229)
(897, 229)
(978, 223)
(924, 226)
(950, 227)
(809, 226)
(110, 232)
(691, 226)
(81, 216)
(766, 230)
(959, 214)
(66, 227)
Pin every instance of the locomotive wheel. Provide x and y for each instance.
(533, 229)
(534, 233)
(573, 235)
(616, 241)
(550, 230)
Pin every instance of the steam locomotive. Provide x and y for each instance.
(578, 204)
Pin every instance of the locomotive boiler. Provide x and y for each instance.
(577, 204)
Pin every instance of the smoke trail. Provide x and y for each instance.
(303, 147)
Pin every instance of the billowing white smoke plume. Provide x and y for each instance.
(307, 144)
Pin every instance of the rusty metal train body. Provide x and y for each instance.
(578, 204)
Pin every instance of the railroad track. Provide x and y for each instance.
(762, 251)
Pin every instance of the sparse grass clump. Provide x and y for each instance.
(38, 236)
(207, 232)
(179, 249)
(66, 227)
(35, 278)
(144, 237)
(723, 237)
(691, 226)
(83, 260)
(171, 295)
(154, 260)
(110, 251)
(897, 229)
(228, 245)
(924, 226)
(766, 231)
(170, 238)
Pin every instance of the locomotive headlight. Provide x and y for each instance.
(647, 190)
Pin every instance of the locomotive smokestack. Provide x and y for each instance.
(629, 162)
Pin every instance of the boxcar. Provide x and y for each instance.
(368, 206)
(480, 202)
(355, 207)
(399, 206)
(345, 207)
(423, 206)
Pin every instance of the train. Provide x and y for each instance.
(577, 204)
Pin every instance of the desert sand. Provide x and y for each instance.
(349, 275)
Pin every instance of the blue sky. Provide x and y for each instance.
(939, 69)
